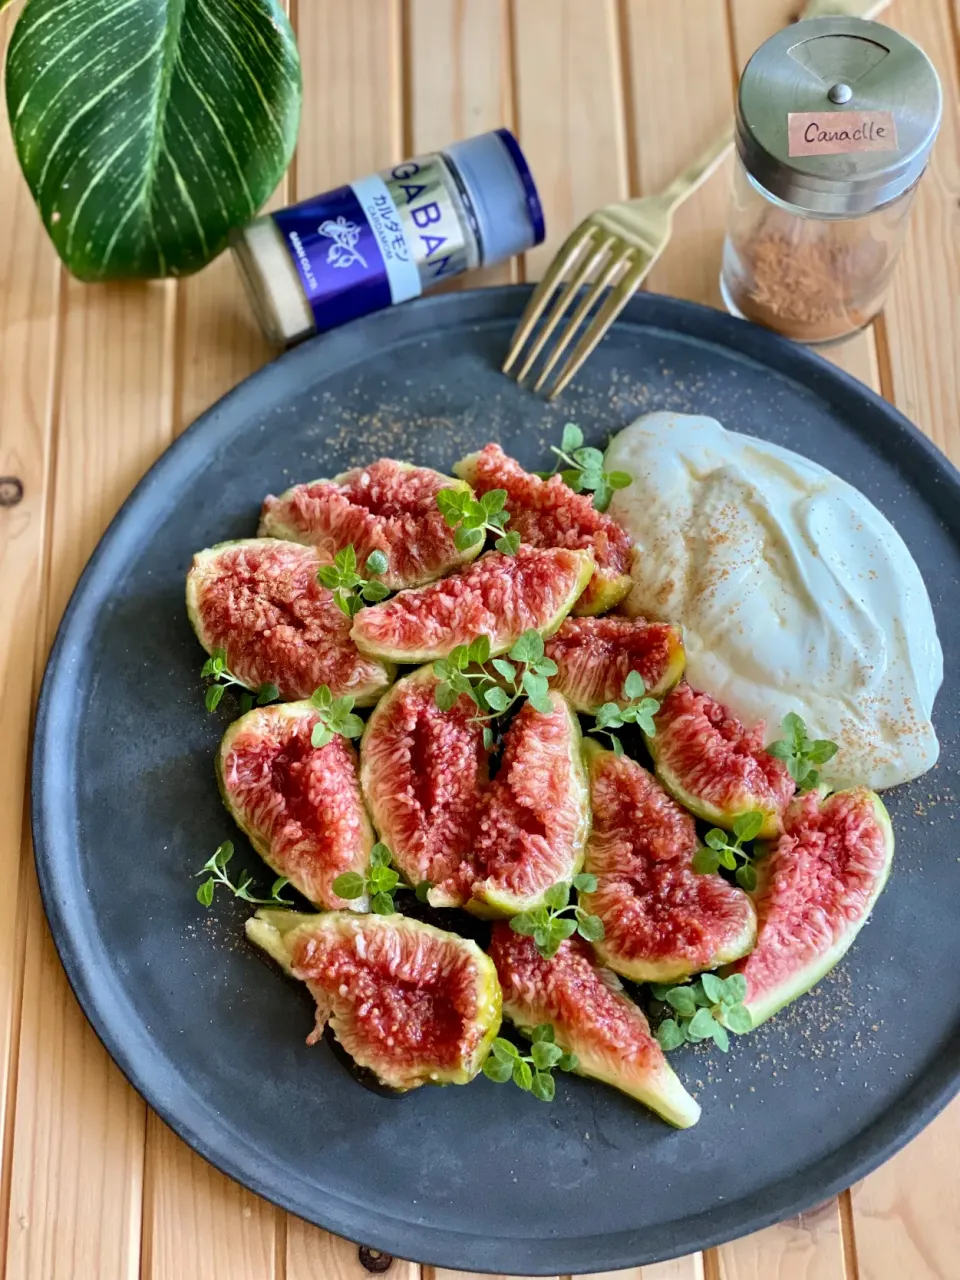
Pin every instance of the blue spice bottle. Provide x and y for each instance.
(388, 237)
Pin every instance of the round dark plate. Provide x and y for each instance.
(486, 1178)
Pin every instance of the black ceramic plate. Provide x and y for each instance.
(483, 1178)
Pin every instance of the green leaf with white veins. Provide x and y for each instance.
(148, 129)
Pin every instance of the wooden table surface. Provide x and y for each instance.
(609, 100)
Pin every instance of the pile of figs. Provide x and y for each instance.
(488, 813)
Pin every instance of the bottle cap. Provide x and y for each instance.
(837, 116)
(502, 192)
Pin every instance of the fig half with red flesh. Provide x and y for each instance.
(389, 506)
(547, 513)
(258, 599)
(662, 920)
(594, 656)
(714, 765)
(816, 886)
(422, 771)
(299, 805)
(499, 596)
(413, 1004)
(591, 1017)
(533, 819)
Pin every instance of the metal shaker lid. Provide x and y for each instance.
(837, 115)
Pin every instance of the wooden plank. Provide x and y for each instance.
(663, 138)
(688, 1268)
(459, 84)
(77, 1154)
(29, 286)
(200, 1223)
(906, 1216)
(569, 116)
(809, 1247)
(315, 1255)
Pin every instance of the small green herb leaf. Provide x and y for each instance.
(701, 1025)
(682, 999)
(669, 1035)
(801, 753)
(496, 1069)
(737, 1018)
(584, 469)
(712, 986)
(217, 864)
(585, 882)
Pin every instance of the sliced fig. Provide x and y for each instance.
(547, 513)
(411, 1003)
(389, 506)
(422, 771)
(594, 656)
(662, 921)
(299, 805)
(591, 1017)
(714, 765)
(499, 596)
(259, 600)
(816, 887)
(532, 821)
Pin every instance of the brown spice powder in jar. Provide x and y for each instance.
(814, 280)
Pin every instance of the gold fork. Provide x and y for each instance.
(614, 249)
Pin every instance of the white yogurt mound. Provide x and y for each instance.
(794, 592)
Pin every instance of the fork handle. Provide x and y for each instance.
(696, 173)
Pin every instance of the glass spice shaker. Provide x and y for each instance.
(387, 237)
(835, 121)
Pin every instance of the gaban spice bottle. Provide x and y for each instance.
(389, 236)
(836, 118)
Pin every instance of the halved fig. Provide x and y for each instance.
(413, 1004)
(547, 513)
(594, 656)
(499, 596)
(714, 765)
(662, 920)
(592, 1017)
(532, 822)
(389, 506)
(422, 771)
(815, 889)
(299, 805)
(259, 600)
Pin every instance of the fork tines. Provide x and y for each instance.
(597, 260)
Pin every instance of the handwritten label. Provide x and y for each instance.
(830, 133)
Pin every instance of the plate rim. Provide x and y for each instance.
(921, 1101)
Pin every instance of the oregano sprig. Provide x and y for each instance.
(639, 710)
(550, 923)
(217, 868)
(215, 670)
(703, 1010)
(584, 468)
(350, 588)
(473, 518)
(525, 671)
(530, 1072)
(380, 883)
(721, 851)
(335, 715)
(801, 754)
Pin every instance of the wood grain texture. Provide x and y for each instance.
(569, 103)
(663, 140)
(923, 311)
(29, 288)
(907, 1214)
(77, 1154)
(689, 1268)
(315, 1255)
(201, 1223)
(809, 1247)
(457, 70)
